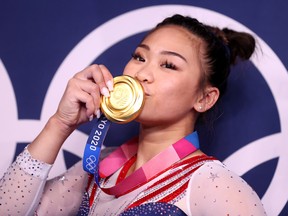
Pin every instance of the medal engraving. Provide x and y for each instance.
(121, 97)
(125, 102)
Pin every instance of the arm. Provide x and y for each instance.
(214, 188)
(80, 102)
(21, 189)
(63, 194)
(24, 184)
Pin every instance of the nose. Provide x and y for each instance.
(144, 75)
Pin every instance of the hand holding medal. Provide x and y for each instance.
(124, 105)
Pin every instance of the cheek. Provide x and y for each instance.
(129, 69)
(169, 95)
(177, 87)
(179, 94)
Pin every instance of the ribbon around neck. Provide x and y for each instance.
(121, 155)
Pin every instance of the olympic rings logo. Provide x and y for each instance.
(91, 163)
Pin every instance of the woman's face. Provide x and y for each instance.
(167, 65)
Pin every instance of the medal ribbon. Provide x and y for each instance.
(119, 157)
(93, 146)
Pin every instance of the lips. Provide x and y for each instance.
(146, 91)
(146, 94)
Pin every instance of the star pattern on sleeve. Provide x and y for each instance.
(62, 179)
(213, 176)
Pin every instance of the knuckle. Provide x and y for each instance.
(94, 88)
(76, 75)
(71, 82)
(94, 67)
(90, 100)
(102, 66)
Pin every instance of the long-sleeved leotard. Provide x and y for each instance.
(24, 190)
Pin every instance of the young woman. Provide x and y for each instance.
(183, 66)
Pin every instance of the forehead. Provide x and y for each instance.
(174, 38)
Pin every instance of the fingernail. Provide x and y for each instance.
(110, 85)
(105, 92)
(98, 113)
(90, 118)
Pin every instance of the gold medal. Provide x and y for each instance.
(125, 102)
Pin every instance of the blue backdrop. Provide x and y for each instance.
(43, 43)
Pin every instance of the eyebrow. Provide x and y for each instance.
(165, 52)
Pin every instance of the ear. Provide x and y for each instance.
(207, 99)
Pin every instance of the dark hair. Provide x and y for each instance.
(222, 48)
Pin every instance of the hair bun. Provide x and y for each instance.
(241, 44)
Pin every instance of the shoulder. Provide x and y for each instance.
(214, 185)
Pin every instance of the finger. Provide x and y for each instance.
(90, 88)
(107, 77)
(76, 107)
(84, 91)
(102, 78)
(88, 100)
(93, 90)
